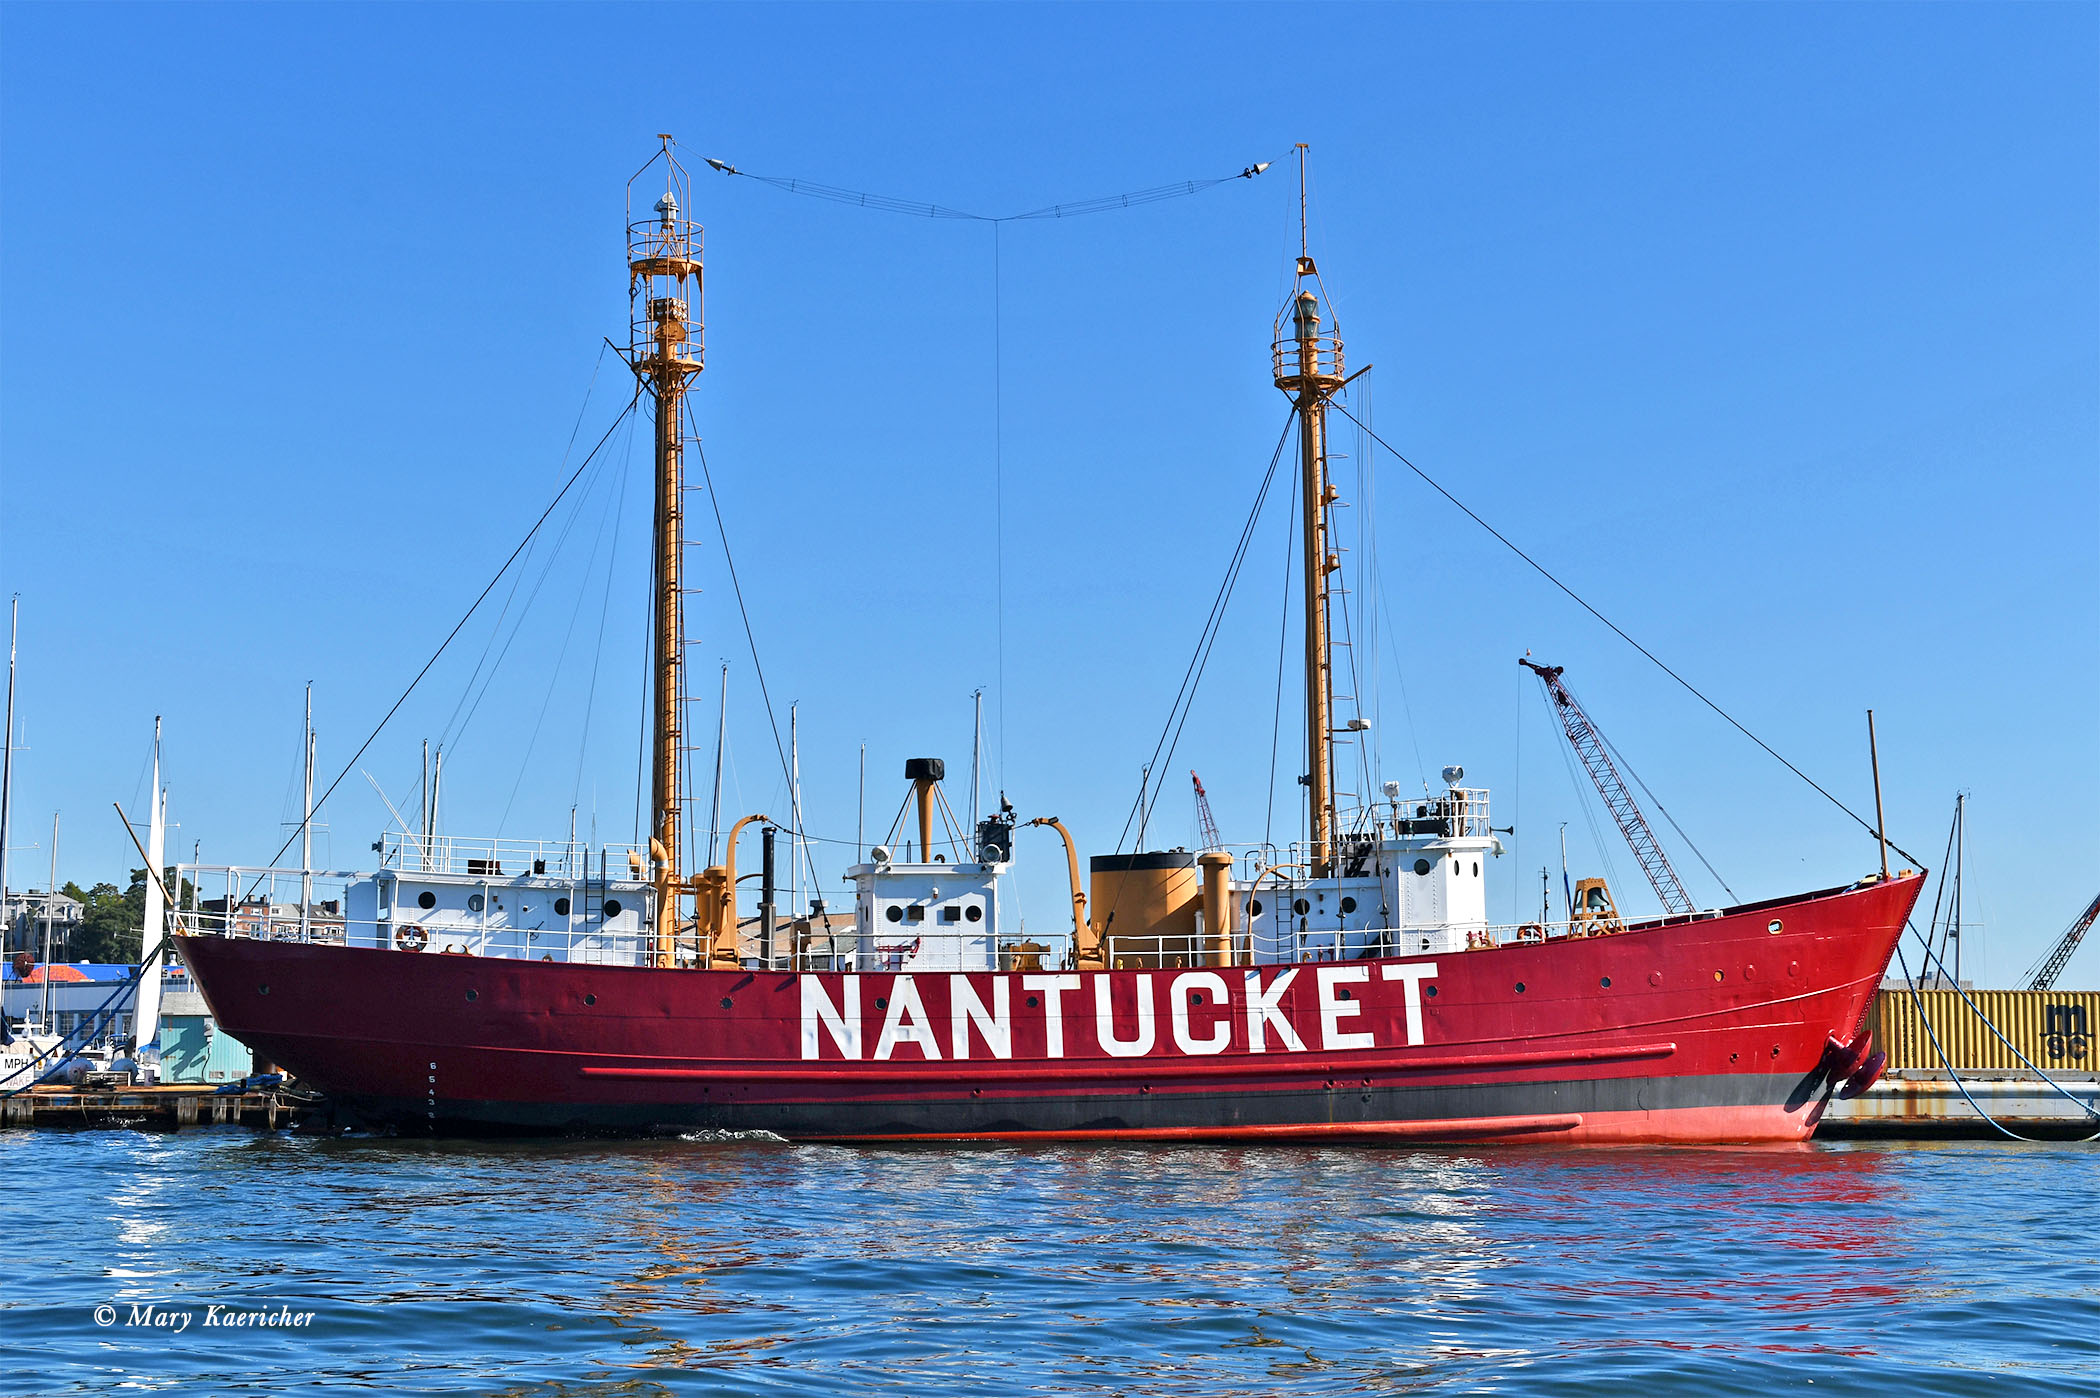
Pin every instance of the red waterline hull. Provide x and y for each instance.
(1717, 1029)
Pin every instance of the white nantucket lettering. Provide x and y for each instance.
(842, 1020)
(1333, 1009)
(1263, 1012)
(906, 1022)
(995, 1024)
(1178, 1011)
(1053, 990)
(1411, 978)
(1105, 1019)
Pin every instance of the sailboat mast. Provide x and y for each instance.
(663, 289)
(50, 913)
(153, 929)
(306, 817)
(1961, 844)
(7, 742)
(1309, 368)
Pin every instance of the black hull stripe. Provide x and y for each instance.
(966, 1116)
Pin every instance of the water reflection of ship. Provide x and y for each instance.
(1348, 986)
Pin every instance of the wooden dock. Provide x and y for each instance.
(163, 1108)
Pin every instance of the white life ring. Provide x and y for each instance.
(411, 937)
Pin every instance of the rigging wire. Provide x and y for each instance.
(750, 637)
(456, 725)
(888, 204)
(1620, 758)
(1613, 626)
(450, 739)
(885, 203)
(590, 700)
(472, 607)
(1184, 697)
(606, 516)
(1283, 637)
(1925, 965)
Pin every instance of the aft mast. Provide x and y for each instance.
(1309, 368)
(664, 350)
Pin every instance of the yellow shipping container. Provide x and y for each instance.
(2054, 1028)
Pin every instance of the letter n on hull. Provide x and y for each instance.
(840, 1021)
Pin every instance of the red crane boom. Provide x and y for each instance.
(2060, 956)
(1204, 823)
(1589, 746)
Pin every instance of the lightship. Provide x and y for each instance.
(1349, 987)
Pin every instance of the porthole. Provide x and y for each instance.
(974, 913)
(473, 995)
(1520, 987)
(894, 913)
(1774, 925)
(882, 1002)
(1033, 1002)
(1348, 905)
(1605, 982)
(1254, 908)
(474, 903)
(1197, 998)
(1432, 992)
(1718, 975)
(725, 1002)
(262, 990)
(1344, 994)
(561, 907)
(1301, 907)
(1476, 868)
(1421, 866)
(426, 899)
(590, 999)
(612, 907)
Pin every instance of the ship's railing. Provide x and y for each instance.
(292, 905)
(273, 904)
(1326, 355)
(477, 856)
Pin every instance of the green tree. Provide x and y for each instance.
(109, 926)
(112, 922)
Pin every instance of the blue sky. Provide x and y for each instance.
(1771, 329)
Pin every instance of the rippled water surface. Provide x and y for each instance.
(754, 1266)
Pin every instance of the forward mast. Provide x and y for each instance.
(1308, 362)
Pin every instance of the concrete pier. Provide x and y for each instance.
(1928, 1105)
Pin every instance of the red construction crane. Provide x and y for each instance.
(1204, 821)
(2059, 956)
(1590, 747)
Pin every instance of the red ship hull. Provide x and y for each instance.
(1716, 1029)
